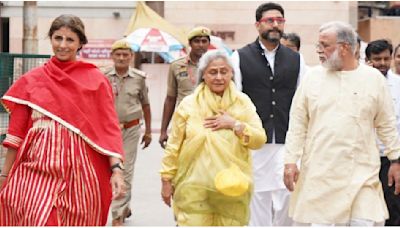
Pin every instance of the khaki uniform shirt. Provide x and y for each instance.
(182, 78)
(130, 93)
(333, 120)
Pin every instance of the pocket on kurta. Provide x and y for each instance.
(360, 106)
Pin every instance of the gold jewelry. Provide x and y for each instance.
(148, 135)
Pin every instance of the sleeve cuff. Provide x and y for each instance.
(290, 158)
(393, 155)
(12, 141)
(243, 139)
(166, 177)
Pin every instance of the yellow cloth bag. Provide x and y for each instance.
(231, 181)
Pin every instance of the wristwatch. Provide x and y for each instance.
(395, 161)
(237, 126)
(118, 165)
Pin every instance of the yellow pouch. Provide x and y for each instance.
(231, 181)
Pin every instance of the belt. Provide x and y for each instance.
(129, 124)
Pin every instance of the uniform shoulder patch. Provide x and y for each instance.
(179, 61)
(139, 72)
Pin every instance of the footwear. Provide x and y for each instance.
(127, 213)
(118, 222)
(121, 220)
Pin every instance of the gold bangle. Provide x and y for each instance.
(148, 135)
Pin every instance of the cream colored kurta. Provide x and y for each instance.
(331, 129)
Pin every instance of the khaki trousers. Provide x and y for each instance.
(131, 139)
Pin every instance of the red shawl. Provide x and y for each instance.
(75, 94)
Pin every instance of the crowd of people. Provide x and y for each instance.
(257, 138)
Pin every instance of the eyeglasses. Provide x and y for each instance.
(272, 20)
(323, 46)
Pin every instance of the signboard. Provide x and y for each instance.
(97, 49)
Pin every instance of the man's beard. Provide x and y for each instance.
(334, 62)
(266, 35)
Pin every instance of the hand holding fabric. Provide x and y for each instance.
(291, 174)
(394, 176)
(221, 121)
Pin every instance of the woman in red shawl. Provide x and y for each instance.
(64, 143)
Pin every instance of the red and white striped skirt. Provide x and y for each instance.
(52, 179)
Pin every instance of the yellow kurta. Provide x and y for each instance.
(194, 154)
(332, 129)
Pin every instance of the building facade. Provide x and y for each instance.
(106, 21)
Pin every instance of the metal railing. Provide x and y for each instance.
(12, 66)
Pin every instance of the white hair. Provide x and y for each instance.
(344, 32)
(207, 58)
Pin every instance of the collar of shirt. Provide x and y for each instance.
(392, 73)
(393, 79)
(113, 72)
(266, 50)
(269, 55)
(189, 61)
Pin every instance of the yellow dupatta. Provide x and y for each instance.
(205, 153)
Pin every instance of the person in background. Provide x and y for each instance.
(292, 41)
(268, 73)
(358, 48)
(206, 168)
(396, 62)
(63, 140)
(337, 112)
(132, 103)
(182, 76)
(379, 55)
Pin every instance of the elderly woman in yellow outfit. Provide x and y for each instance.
(206, 168)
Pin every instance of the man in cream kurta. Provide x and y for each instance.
(333, 119)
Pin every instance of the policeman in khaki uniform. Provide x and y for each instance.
(182, 76)
(131, 100)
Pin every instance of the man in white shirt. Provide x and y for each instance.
(379, 55)
(396, 62)
(336, 113)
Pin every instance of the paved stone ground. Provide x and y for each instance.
(148, 208)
